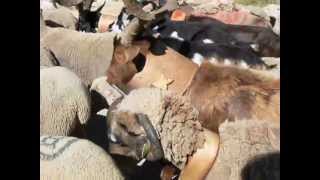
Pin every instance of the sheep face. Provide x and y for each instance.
(123, 67)
(127, 137)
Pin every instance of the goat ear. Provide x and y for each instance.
(136, 48)
(131, 52)
(119, 55)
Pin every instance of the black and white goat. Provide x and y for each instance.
(200, 40)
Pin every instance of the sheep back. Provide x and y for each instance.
(89, 55)
(75, 159)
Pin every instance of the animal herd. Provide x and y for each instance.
(179, 82)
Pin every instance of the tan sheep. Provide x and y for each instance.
(172, 117)
(75, 159)
(64, 102)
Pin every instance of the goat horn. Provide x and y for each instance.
(152, 135)
(136, 25)
(170, 5)
(134, 8)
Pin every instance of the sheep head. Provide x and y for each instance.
(133, 135)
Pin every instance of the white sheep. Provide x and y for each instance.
(75, 159)
(60, 17)
(46, 58)
(89, 55)
(47, 4)
(64, 102)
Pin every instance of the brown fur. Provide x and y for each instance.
(221, 93)
(122, 68)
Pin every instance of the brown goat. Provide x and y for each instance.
(221, 93)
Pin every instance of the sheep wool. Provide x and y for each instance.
(89, 55)
(46, 58)
(75, 159)
(249, 149)
(174, 119)
(64, 101)
(61, 16)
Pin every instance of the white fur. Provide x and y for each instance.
(115, 28)
(244, 65)
(197, 58)
(255, 47)
(96, 4)
(175, 35)
(208, 41)
(155, 28)
(64, 101)
(227, 62)
(125, 19)
(213, 60)
(140, 163)
(78, 159)
(46, 4)
(112, 138)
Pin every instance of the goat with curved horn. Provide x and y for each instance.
(142, 18)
